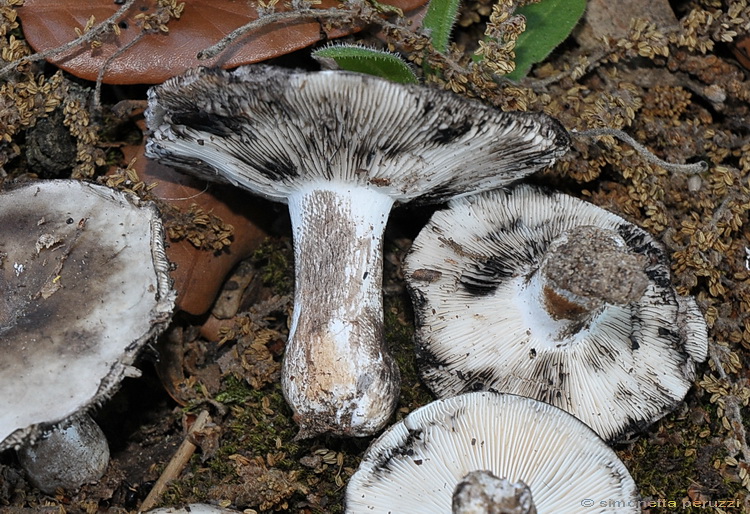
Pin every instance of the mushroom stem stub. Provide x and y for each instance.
(69, 456)
(587, 267)
(337, 374)
(481, 492)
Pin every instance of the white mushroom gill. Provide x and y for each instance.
(544, 295)
(340, 148)
(416, 464)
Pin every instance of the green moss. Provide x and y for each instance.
(275, 260)
(675, 463)
(399, 332)
(235, 391)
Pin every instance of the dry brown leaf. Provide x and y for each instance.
(158, 56)
(200, 273)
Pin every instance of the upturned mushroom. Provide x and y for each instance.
(544, 295)
(83, 286)
(484, 450)
(340, 148)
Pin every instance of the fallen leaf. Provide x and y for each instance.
(159, 55)
(199, 273)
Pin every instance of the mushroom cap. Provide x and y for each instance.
(415, 465)
(274, 131)
(479, 328)
(83, 286)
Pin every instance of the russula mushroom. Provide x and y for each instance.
(529, 455)
(83, 286)
(547, 296)
(340, 148)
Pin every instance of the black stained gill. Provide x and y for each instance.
(404, 449)
(450, 133)
(485, 278)
(276, 168)
(216, 124)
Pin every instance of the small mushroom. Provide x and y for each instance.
(531, 457)
(544, 295)
(74, 453)
(340, 148)
(83, 286)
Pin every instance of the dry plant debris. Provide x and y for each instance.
(132, 42)
(675, 87)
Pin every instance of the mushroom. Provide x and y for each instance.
(340, 148)
(544, 295)
(530, 456)
(83, 286)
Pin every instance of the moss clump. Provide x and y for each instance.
(275, 259)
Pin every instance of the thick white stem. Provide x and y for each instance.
(337, 374)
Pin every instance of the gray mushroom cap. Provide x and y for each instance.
(83, 286)
(416, 464)
(340, 149)
(479, 275)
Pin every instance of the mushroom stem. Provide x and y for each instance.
(68, 457)
(586, 268)
(337, 373)
(481, 492)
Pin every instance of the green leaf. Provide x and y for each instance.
(439, 20)
(367, 60)
(548, 24)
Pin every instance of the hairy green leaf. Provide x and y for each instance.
(367, 60)
(548, 23)
(439, 20)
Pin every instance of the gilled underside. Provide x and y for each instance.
(417, 463)
(340, 148)
(481, 324)
(271, 130)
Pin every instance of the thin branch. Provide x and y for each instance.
(176, 464)
(89, 36)
(332, 14)
(105, 65)
(644, 152)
